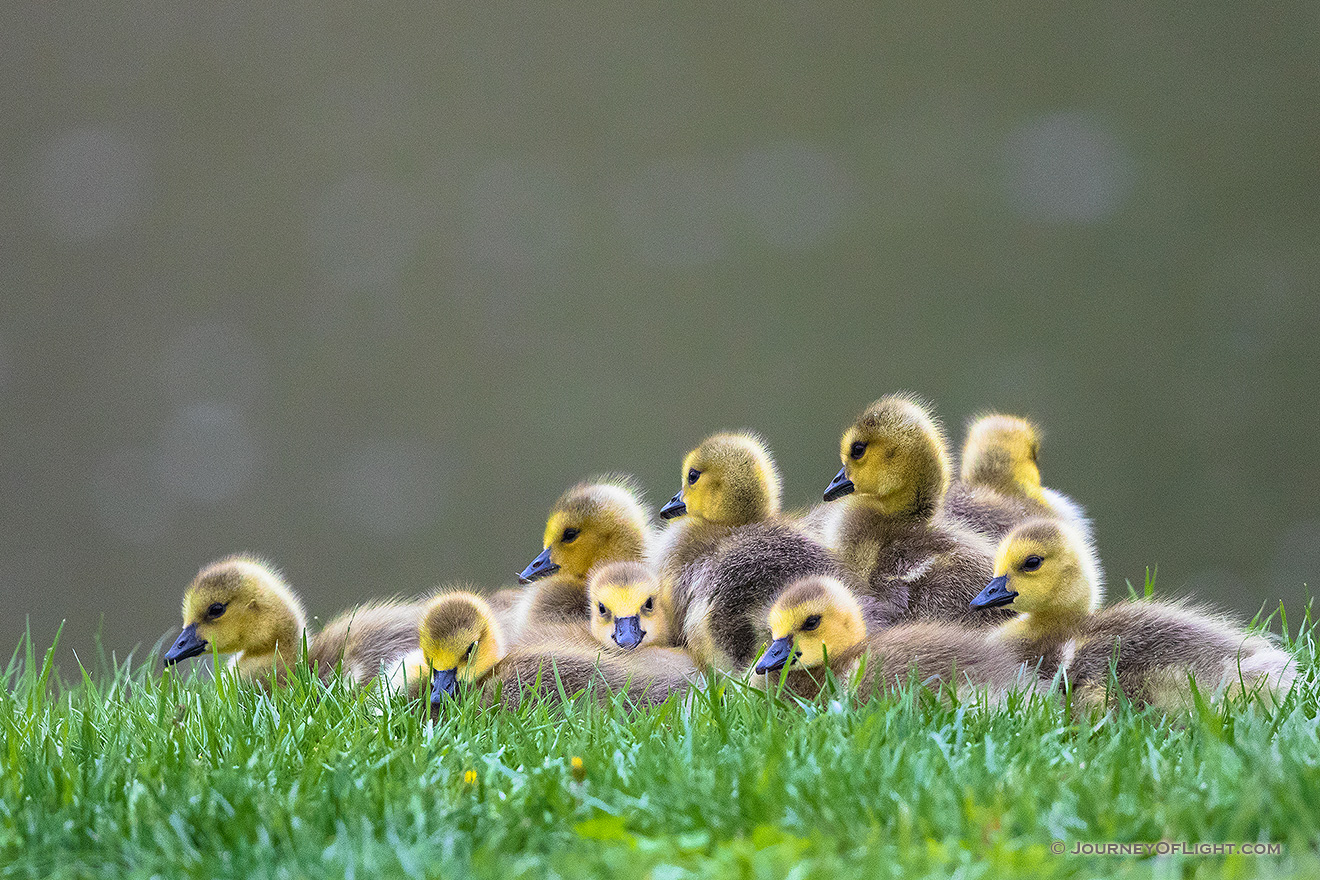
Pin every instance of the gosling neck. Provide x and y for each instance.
(1045, 623)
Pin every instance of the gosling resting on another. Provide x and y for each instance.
(590, 524)
(914, 562)
(461, 643)
(730, 554)
(817, 623)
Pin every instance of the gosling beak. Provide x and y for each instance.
(188, 644)
(839, 486)
(444, 684)
(995, 594)
(779, 654)
(540, 567)
(675, 507)
(628, 632)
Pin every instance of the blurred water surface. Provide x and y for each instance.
(362, 289)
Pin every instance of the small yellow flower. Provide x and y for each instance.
(579, 771)
(470, 777)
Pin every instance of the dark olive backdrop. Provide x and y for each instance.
(362, 289)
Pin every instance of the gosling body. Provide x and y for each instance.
(1044, 570)
(461, 643)
(242, 606)
(818, 624)
(913, 561)
(727, 558)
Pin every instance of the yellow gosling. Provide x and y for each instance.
(241, 605)
(728, 552)
(914, 562)
(817, 623)
(1045, 571)
(628, 608)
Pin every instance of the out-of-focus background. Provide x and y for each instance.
(363, 291)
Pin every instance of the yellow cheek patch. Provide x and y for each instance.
(782, 622)
(622, 600)
(554, 529)
(443, 653)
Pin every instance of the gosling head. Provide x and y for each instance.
(238, 605)
(460, 641)
(1001, 452)
(894, 452)
(812, 617)
(1041, 569)
(627, 606)
(590, 524)
(729, 479)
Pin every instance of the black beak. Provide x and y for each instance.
(188, 644)
(777, 655)
(444, 684)
(628, 631)
(675, 507)
(540, 567)
(995, 594)
(839, 486)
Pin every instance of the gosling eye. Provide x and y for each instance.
(216, 609)
(1032, 562)
(570, 535)
(604, 612)
(649, 605)
(857, 450)
(468, 654)
(693, 474)
(811, 623)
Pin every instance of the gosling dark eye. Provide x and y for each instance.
(216, 609)
(604, 612)
(693, 474)
(649, 605)
(1031, 563)
(570, 535)
(468, 655)
(857, 451)
(811, 623)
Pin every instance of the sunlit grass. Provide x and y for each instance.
(125, 770)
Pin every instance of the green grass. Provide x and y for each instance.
(127, 771)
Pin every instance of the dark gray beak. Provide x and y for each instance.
(628, 632)
(995, 594)
(444, 684)
(675, 507)
(839, 486)
(540, 567)
(188, 644)
(777, 655)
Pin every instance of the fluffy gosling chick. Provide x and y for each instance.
(1045, 571)
(1000, 483)
(628, 608)
(728, 554)
(240, 605)
(461, 642)
(592, 523)
(915, 562)
(817, 622)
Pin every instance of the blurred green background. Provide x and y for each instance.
(363, 289)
